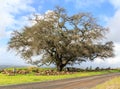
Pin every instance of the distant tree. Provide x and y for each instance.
(97, 68)
(90, 68)
(61, 39)
(87, 69)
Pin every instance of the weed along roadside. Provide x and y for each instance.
(27, 75)
(111, 84)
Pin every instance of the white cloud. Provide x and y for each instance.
(115, 3)
(116, 60)
(114, 25)
(7, 58)
(13, 15)
(114, 22)
(110, 62)
(8, 10)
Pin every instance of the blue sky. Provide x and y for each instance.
(15, 13)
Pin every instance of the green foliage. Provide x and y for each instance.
(62, 40)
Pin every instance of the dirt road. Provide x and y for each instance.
(74, 83)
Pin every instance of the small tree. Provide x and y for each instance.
(61, 39)
(97, 68)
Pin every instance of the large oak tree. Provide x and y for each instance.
(61, 39)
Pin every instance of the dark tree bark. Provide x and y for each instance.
(59, 67)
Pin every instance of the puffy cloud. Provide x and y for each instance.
(113, 22)
(115, 3)
(110, 62)
(114, 25)
(8, 10)
(11, 9)
(9, 58)
(14, 15)
(116, 60)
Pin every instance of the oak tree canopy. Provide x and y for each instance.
(61, 39)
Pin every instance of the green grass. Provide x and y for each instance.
(19, 79)
(112, 84)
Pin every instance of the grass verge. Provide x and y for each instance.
(19, 79)
(112, 84)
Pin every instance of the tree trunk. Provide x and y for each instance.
(60, 67)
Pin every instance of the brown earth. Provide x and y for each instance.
(74, 83)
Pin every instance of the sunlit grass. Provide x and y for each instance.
(18, 79)
(111, 84)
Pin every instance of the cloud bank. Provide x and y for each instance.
(9, 9)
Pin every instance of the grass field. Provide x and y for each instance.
(18, 79)
(112, 84)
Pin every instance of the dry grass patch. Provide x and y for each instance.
(111, 84)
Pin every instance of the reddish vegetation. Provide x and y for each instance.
(33, 71)
(52, 72)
